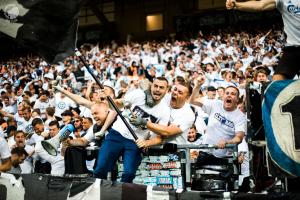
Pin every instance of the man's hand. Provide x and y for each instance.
(99, 134)
(101, 95)
(141, 143)
(241, 158)
(45, 134)
(221, 144)
(194, 154)
(57, 87)
(230, 4)
(67, 142)
(138, 121)
(199, 80)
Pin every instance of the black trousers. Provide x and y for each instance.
(75, 160)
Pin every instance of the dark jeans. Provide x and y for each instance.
(112, 148)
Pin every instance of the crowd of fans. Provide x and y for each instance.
(38, 99)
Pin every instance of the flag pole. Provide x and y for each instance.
(110, 100)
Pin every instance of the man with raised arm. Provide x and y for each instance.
(119, 141)
(288, 65)
(226, 123)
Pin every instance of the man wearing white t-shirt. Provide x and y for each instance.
(42, 103)
(119, 140)
(57, 162)
(27, 165)
(226, 123)
(62, 103)
(182, 118)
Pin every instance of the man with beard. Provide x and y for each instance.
(119, 141)
(57, 162)
(20, 141)
(226, 123)
(182, 118)
(22, 117)
(18, 155)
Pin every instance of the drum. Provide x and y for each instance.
(215, 178)
(209, 184)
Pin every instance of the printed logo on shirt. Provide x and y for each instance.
(293, 7)
(138, 111)
(29, 129)
(223, 120)
(61, 105)
(19, 123)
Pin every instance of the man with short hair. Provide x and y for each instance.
(211, 92)
(43, 102)
(87, 122)
(226, 123)
(39, 131)
(176, 130)
(7, 107)
(18, 155)
(119, 141)
(67, 116)
(20, 141)
(57, 162)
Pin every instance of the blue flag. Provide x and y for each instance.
(281, 118)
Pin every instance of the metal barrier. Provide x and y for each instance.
(188, 161)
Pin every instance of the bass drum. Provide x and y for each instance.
(215, 178)
(209, 184)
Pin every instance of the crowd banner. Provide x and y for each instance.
(46, 187)
(47, 27)
(281, 118)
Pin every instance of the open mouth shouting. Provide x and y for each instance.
(229, 104)
(229, 101)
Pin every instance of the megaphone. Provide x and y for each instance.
(53, 144)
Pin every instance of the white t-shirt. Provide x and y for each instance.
(222, 125)
(42, 105)
(27, 165)
(57, 162)
(35, 138)
(85, 112)
(160, 114)
(245, 172)
(20, 121)
(184, 118)
(62, 104)
(26, 126)
(89, 136)
(9, 109)
(289, 10)
(4, 150)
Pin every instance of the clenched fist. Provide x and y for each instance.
(230, 4)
